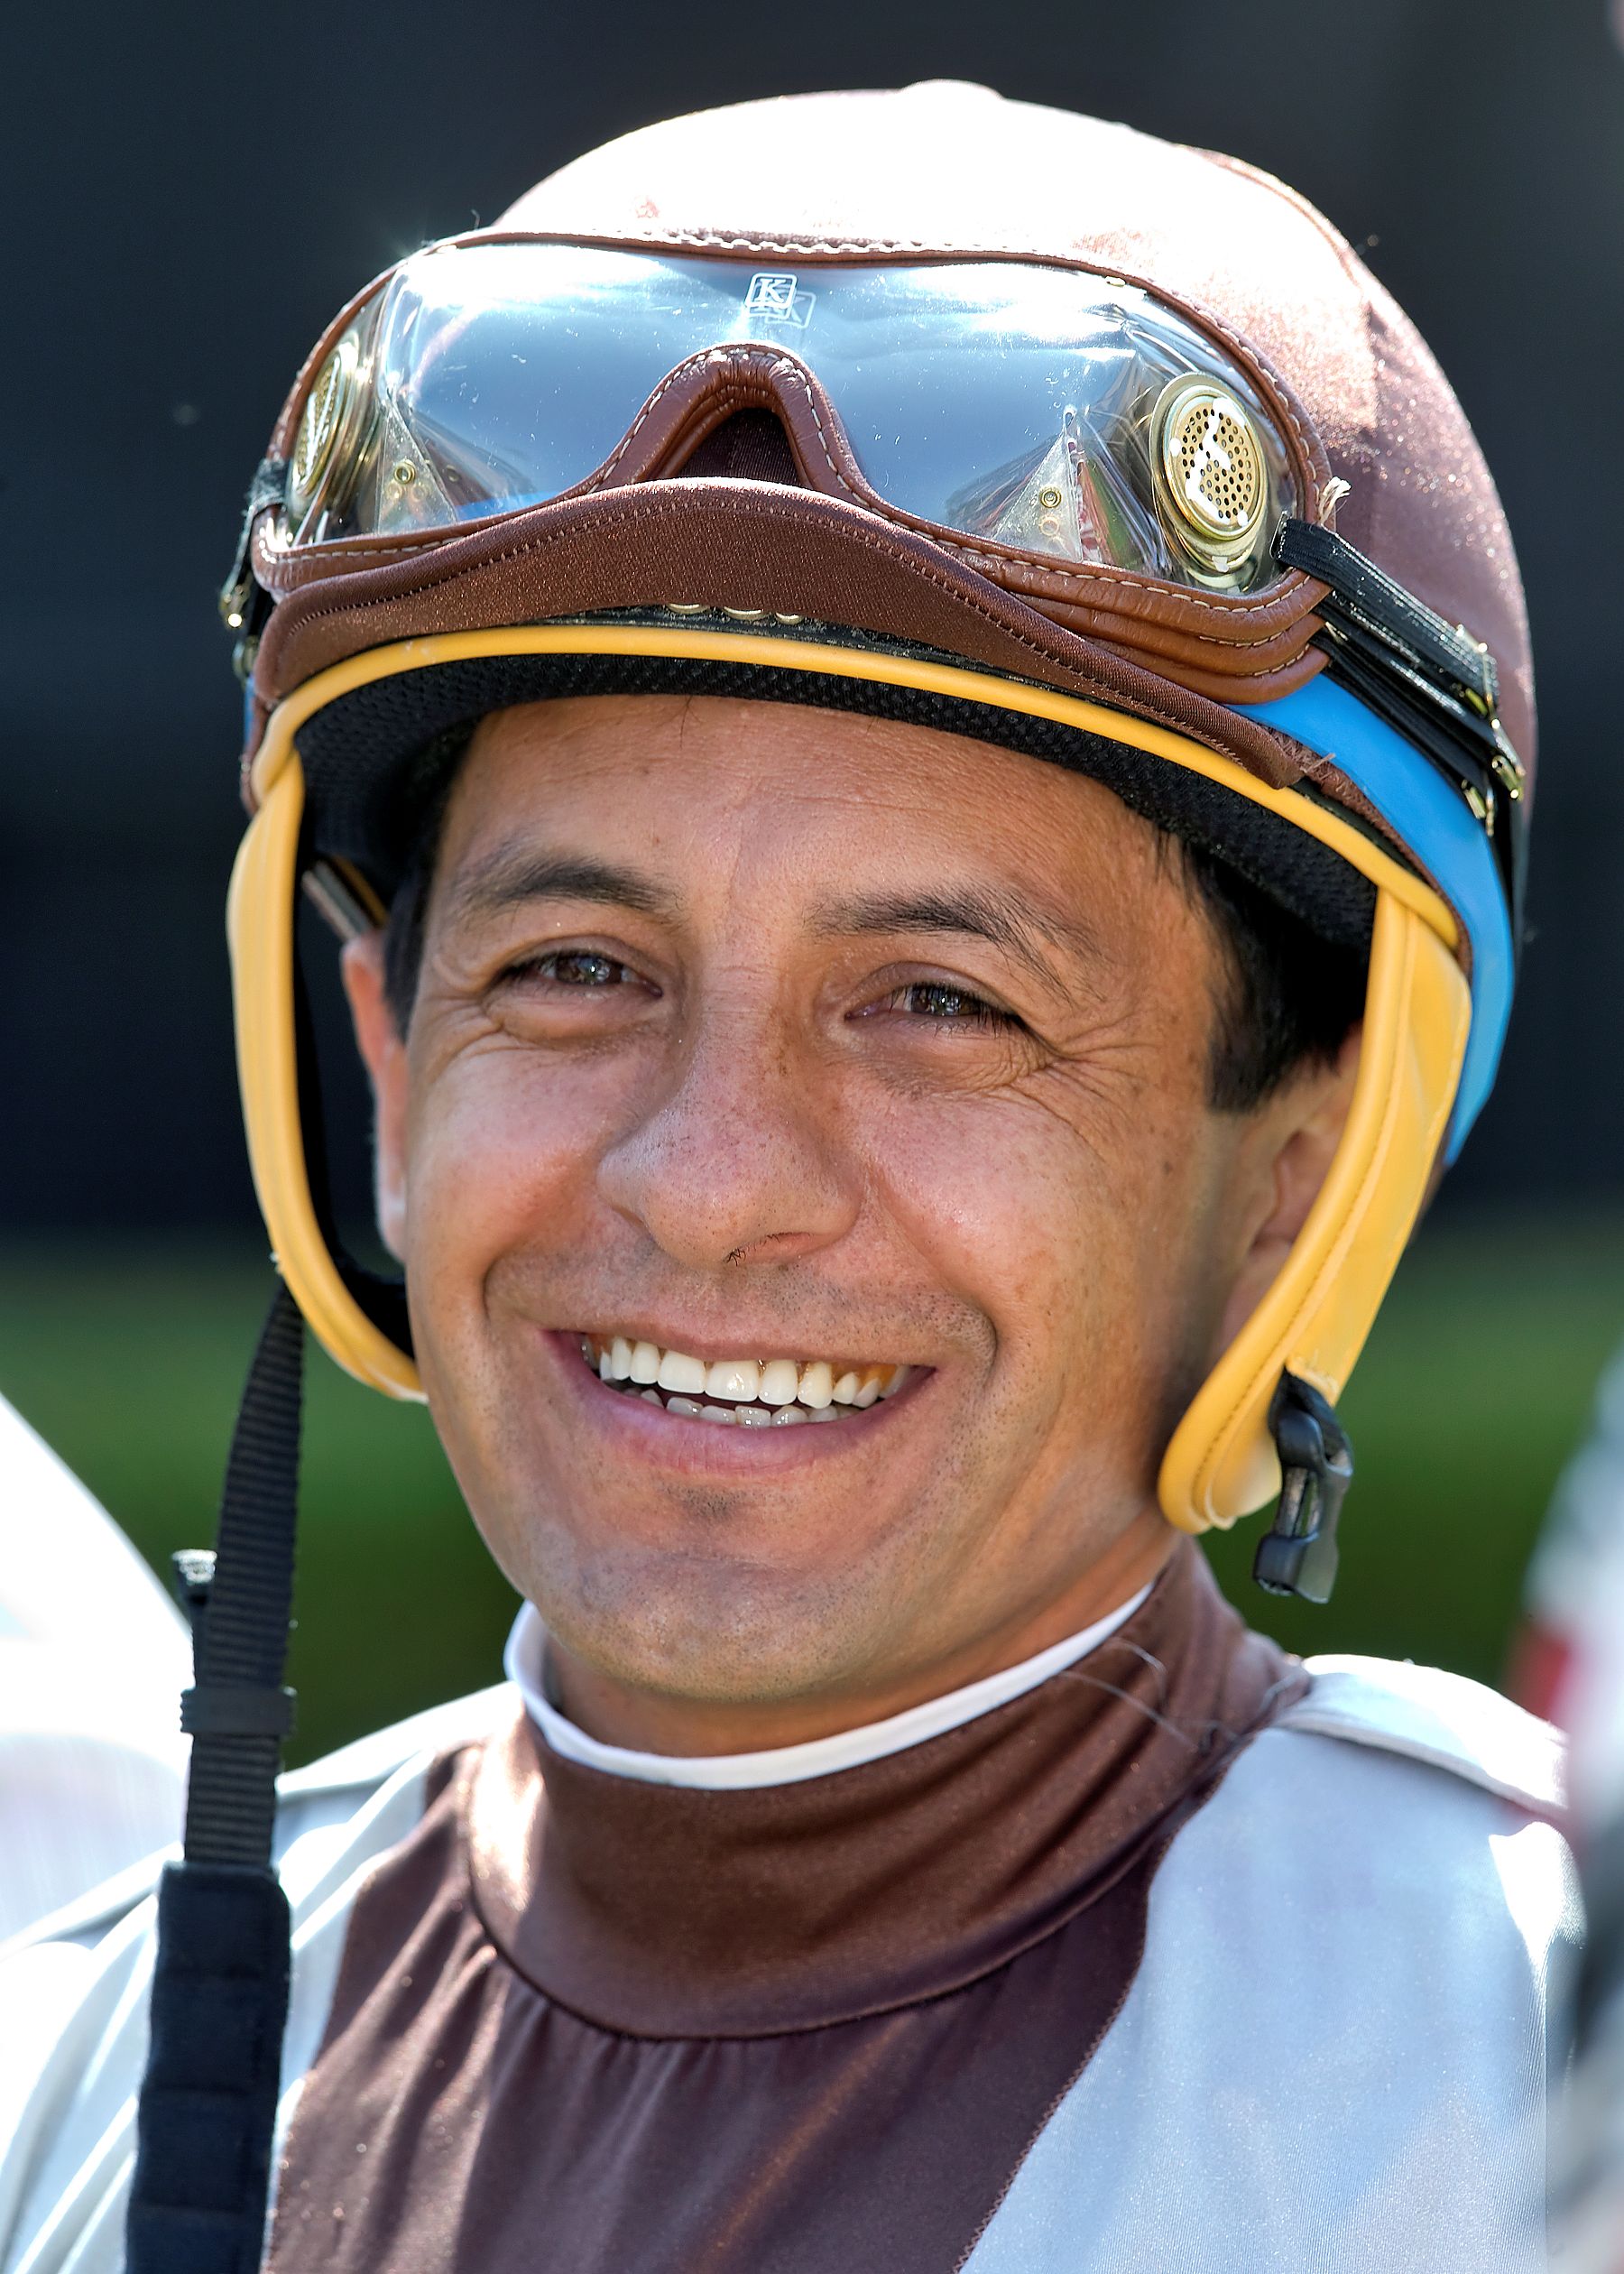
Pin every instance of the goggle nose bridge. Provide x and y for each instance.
(699, 396)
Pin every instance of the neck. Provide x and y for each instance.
(642, 1720)
(676, 1907)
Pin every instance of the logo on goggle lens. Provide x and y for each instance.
(776, 297)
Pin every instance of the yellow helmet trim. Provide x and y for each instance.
(260, 913)
(1220, 1463)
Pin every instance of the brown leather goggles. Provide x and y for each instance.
(1043, 411)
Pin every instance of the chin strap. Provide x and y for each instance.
(219, 2004)
(1298, 1555)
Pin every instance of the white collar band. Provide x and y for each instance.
(525, 1661)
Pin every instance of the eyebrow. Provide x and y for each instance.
(976, 911)
(510, 879)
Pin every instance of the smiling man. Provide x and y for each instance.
(752, 1066)
(921, 924)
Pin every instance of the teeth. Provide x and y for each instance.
(736, 1378)
(780, 1378)
(678, 1370)
(755, 1393)
(748, 1417)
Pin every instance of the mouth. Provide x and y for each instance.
(752, 1393)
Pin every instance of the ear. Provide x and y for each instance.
(1288, 1152)
(383, 1052)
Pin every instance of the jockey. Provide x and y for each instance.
(915, 713)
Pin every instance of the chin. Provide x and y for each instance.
(712, 1629)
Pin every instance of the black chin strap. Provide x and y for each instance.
(1298, 1555)
(219, 2004)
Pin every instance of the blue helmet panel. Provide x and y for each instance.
(1445, 838)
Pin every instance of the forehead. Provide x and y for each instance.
(714, 793)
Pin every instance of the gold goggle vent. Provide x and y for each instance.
(1207, 467)
(336, 405)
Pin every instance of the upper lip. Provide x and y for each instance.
(775, 1343)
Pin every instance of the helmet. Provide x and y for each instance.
(930, 405)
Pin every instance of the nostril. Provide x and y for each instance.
(750, 447)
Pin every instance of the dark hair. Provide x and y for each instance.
(1293, 998)
(426, 792)
(1291, 1001)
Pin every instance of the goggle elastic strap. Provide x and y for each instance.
(1428, 679)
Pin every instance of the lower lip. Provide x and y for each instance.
(686, 1445)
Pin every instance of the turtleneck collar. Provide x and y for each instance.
(525, 1664)
(663, 1910)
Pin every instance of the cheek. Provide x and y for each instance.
(1077, 1247)
(1012, 1210)
(501, 1145)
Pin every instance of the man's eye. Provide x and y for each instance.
(579, 967)
(947, 1005)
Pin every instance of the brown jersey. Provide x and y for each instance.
(583, 2023)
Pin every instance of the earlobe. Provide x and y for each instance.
(384, 1053)
(1297, 1136)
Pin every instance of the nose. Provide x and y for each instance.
(736, 1159)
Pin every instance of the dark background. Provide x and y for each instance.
(191, 191)
(194, 189)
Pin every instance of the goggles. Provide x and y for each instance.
(1067, 417)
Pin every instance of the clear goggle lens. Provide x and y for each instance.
(1059, 414)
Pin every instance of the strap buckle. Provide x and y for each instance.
(1298, 1555)
(237, 1709)
(244, 604)
(1428, 678)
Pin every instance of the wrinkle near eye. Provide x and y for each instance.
(1097, 1090)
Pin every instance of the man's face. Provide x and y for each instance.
(755, 1033)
